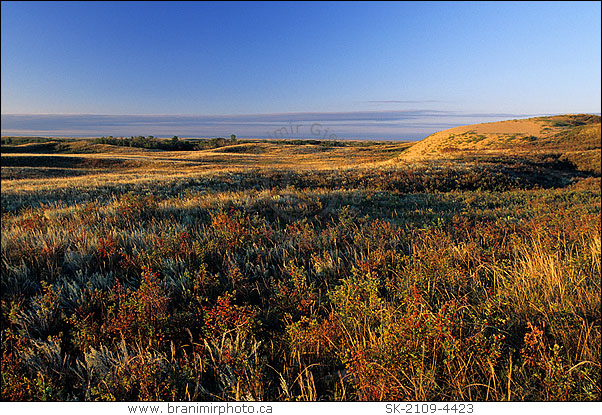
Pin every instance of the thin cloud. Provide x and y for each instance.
(394, 101)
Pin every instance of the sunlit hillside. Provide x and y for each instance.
(571, 138)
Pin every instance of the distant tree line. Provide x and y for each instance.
(173, 144)
(26, 140)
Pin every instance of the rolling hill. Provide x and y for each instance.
(572, 138)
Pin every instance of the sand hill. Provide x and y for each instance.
(563, 133)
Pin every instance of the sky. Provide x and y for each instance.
(391, 70)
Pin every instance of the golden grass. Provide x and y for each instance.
(298, 272)
(127, 166)
(503, 137)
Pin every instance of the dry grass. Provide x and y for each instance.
(514, 137)
(263, 271)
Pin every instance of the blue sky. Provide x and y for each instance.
(394, 70)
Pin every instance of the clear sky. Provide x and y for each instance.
(390, 70)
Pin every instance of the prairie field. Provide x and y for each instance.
(464, 267)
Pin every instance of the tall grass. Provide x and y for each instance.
(304, 285)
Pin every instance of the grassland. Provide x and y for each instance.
(465, 267)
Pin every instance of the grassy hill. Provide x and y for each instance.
(571, 138)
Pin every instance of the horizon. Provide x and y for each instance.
(301, 126)
(388, 71)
